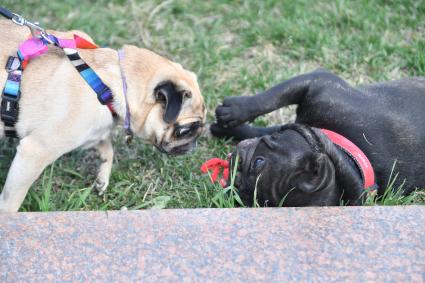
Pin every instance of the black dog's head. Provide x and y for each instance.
(288, 168)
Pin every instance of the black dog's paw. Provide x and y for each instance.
(235, 111)
(237, 133)
(220, 132)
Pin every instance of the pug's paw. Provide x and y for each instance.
(101, 186)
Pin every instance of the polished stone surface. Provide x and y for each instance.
(378, 244)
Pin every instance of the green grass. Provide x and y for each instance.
(235, 47)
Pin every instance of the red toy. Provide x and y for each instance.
(216, 164)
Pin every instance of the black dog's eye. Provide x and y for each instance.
(258, 162)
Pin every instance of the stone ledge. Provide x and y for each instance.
(221, 245)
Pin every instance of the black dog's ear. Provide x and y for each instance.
(318, 173)
(170, 99)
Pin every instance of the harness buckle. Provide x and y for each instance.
(9, 109)
(35, 28)
(13, 63)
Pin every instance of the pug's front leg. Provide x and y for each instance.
(32, 156)
(106, 152)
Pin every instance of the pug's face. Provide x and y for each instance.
(166, 105)
(284, 170)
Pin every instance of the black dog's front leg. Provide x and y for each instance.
(237, 110)
(242, 132)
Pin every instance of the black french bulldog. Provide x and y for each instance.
(297, 165)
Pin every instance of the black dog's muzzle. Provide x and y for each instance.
(244, 152)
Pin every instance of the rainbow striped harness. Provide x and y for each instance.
(34, 47)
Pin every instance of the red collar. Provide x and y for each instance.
(357, 155)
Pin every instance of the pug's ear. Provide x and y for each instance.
(170, 99)
(318, 173)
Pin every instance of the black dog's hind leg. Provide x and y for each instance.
(242, 132)
(239, 109)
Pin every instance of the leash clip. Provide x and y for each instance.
(35, 28)
(45, 36)
(37, 31)
(18, 19)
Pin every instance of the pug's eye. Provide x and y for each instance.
(182, 132)
(258, 163)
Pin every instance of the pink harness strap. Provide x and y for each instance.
(34, 47)
(77, 42)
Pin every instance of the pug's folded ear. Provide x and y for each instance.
(318, 173)
(170, 99)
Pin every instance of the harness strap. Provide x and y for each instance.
(104, 93)
(10, 96)
(34, 47)
(127, 126)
